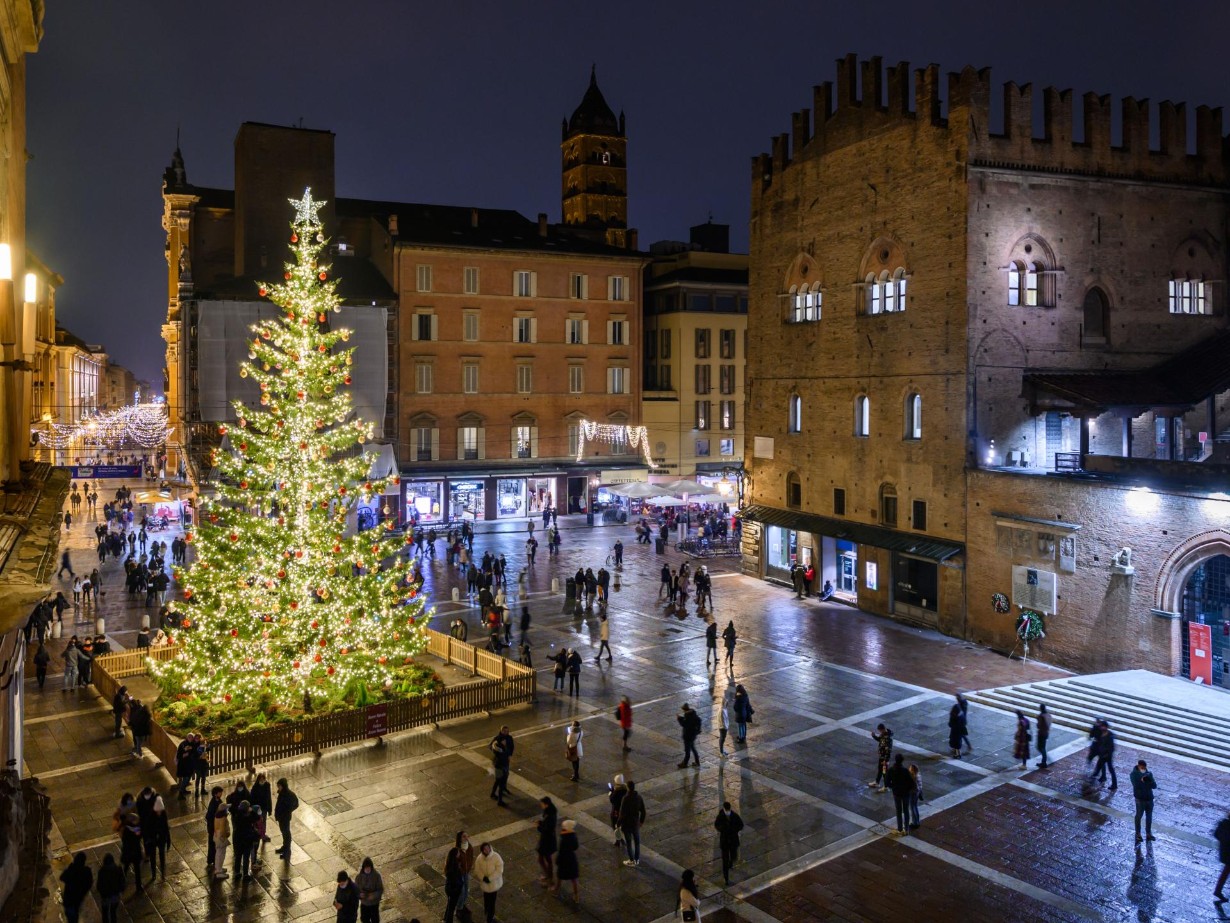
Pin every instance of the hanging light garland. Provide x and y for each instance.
(634, 436)
(145, 425)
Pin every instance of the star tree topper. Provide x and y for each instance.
(306, 209)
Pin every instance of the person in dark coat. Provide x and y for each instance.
(956, 728)
(457, 874)
(211, 811)
(689, 724)
(156, 834)
(568, 868)
(111, 881)
(728, 824)
(1221, 833)
(1143, 785)
(561, 667)
(502, 747)
(346, 899)
(1020, 741)
(1043, 724)
(1106, 757)
(729, 637)
(711, 643)
(41, 658)
(631, 817)
(574, 672)
(548, 845)
(262, 797)
(183, 764)
(141, 725)
(283, 808)
(119, 705)
(743, 712)
(77, 880)
(901, 782)
(131, 844)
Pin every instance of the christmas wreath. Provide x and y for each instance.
(1029, 626)
(1000, 602)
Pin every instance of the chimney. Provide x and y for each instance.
(632, 238)
(392, 225)
(542, 224)
(473, 217)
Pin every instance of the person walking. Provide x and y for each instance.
(964, 703)
(1106, 757)
(1143, 785)
(548, 844)
(623, 714)
(689, 898)
(66, 564)
(724, 712)
(502, 746)
(489, 870)
(560, 669)
(728, 824)
(221, 840)
(1221, 833)
(631, 819)
(901, 783)
(283, 809)
(619, 554)
(156, 831)
(346, 899)
(371, 891)
(457, 866)
(573, 750)
(140, 722)
(915, 796)
(618, 790)
(884, 752)
(711, 642)
(568, 867)
(729, 637)
(1043, 725)
(665, 588)
(956, 728)
(111, 881)
(72, 661)
(604, 637)
(689, 723)
(574, 672)
(1020, 740)
(41, 659)
(77, 880)
(743, 712)
(131, 848)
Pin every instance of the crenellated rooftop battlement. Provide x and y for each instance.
(841, 114)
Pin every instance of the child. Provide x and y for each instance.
(915, 796)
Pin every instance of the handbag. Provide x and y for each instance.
(689, 916)
(571, 753)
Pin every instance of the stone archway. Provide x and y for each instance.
(1179, 564)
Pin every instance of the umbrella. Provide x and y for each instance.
(679, 487)
(637, 489)
(665, 501)
(707, 498)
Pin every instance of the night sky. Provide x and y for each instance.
(461, 102)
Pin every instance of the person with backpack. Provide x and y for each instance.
(689, 723)
(285, 806)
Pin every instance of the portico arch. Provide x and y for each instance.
(1186, 557)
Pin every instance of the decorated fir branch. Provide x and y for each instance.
(280, 601)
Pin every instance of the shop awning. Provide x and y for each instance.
(860, 533)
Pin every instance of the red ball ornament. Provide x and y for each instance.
(243, 485)
(396, 636)
(188, 535)
(412, 618)
(294, 604)
(408, 660)
(222, 430)
(330, 671)
(318, 658)
(233, 537)
(342, 491)
(234, 632)
(243, 447)
(337, 549)
(396, 479)
(324, 642)
(344, 650)
(382, 660)
(227, 697)
(286, 276)
(299, 394)
(321, 318)
(295, 664)
(264, 291)
(281, 575)
(315, 624)
(303, 446)
(299, 553)
(266, 674)
(346, 379)
(323, 275)
(294, 238)
(187, 594)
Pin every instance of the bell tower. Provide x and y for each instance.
(595, 172)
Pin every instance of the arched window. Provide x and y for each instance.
(794, 423)
(874, 295)
(1096, 313)
(1188, 296)
(1031, 284)
(913, 416)
(794, 491)
(862, 416)
(1031, 273)
(894, 292)
(1014, 284)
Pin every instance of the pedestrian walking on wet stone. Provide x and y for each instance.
(502, 746)
(724, 713)
(743, 712)
(568, 867)
(689, 898)
(346, 899)
(131, 848)
(371, 891)
(41, 659)
(604, 637)
(572, 748)
(618, 789)
(728, 824)
(547, 841)
(1043, 725)
(211, 812)
(884, 753)
(574, 672)
(689, 723)
(489, 870)
(915, 796)
(665, 588)
(561, 668)
(111, 881)
(623, 714)
(1020, 740)
(156, 831)
(66, 564)
(956, 729)
(1143, 785)
(1221, 833)
(283, 809)
(963, 702)
(729, 637)
(631, 819)
(901, 783)
(77, 880)
(1106, 757)
(457, 866)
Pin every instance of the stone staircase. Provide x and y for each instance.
(1163, 727)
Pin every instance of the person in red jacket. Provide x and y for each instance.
(624, 713)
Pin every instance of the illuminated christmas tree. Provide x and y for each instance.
(280, 600)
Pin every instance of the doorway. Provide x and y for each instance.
(1206, 601)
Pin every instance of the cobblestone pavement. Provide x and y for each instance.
(995, 844)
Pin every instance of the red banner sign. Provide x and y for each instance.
(1200, 642)
(378, 720)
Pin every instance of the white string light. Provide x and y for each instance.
(145, 425)
(615, 434)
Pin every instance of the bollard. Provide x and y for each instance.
(617, 580)
(145, 620)
(456, 594)
(555, 584)
(56, 628)
(100, 626)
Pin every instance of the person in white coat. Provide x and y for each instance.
(572, 744)
(689, 898)
(488, 869)
(728, 701)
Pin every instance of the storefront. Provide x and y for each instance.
(510, 498)
(467, 500)
(425, 500)
(541, 492)
(781, 551)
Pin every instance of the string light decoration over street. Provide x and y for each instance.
(614, 434)
(143, 424)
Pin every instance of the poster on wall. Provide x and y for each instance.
(1067, 554)
(1200, 642)
(1034, 589)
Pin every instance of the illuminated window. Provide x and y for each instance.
(862, 416)
(1014, 284)
(726, 415)
(913, 416)
(1188, 296)
(1031, 284)
(702, 414)
(794, 423)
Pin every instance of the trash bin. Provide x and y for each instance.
(570, 589)
(659, 545)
